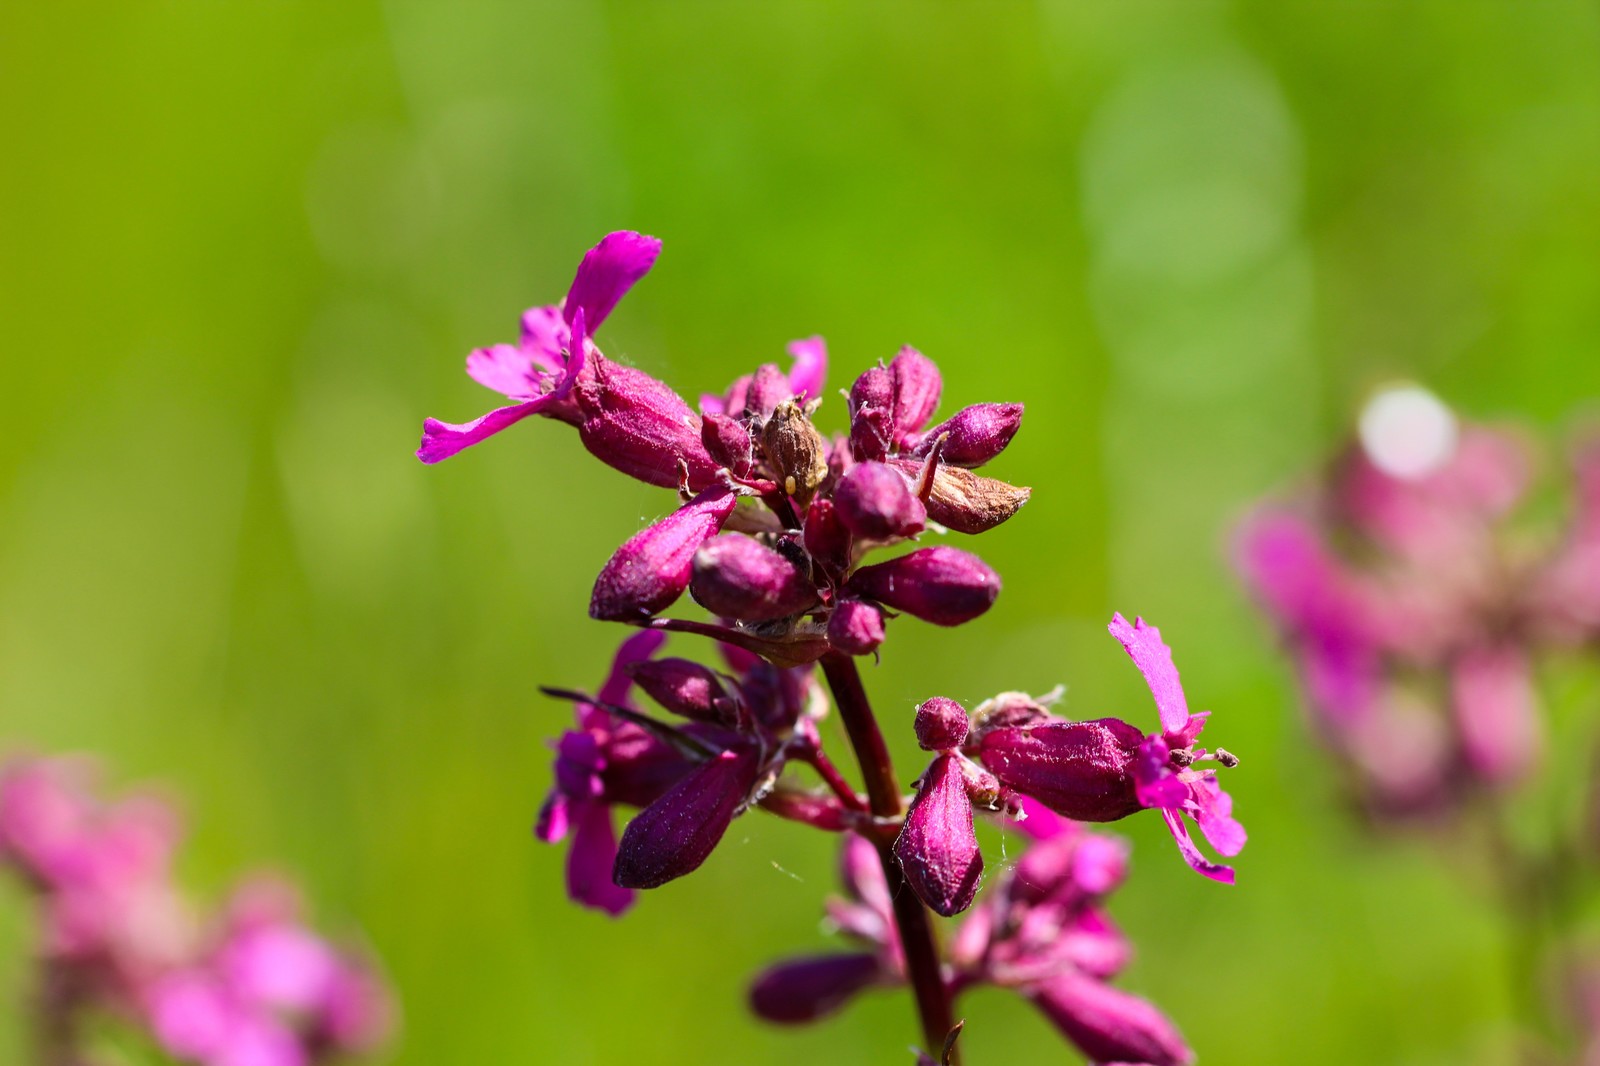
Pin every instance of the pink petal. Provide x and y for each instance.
(441, 440)
(607, 272)
(810, 367)
(1191, 854)
(544, 337)
(1154, 660)
(505, 369)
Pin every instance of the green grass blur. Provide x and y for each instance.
(244, 247)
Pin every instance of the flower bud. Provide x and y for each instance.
(682, 687)
(941, 724)
(676, 833)
(1009, 709)
(737, 577)
(855, 627)
(807, 989)
(942, 585)
(964, 501)
(936, 847)
(652, 569)
(1083, 770)
(797, 452)
(768, 388)
(974, 435)
(826, 539)
(871, 413)
(1496, 712)
(875, 502)
(1108, 1024)
(638, 425)
(917, 385)
(727, 441)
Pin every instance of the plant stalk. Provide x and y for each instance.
(917, 942)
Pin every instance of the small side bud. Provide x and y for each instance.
(875, 502)
(652, 569)
(682, 687)
(942, 585)
(803, 990)
(937, 848)
(941, 724)
(855, 628)
(677, 832)
(1108, 1024)
(796, 451)
(727, 441)
(976, 434)
(871, 413)
(737, 577)
(917, 384)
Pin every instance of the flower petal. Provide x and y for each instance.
(1108, 1024)
(1191, 854)
(1154, 660)
(441, 440)
(810, 367)
(607, 272)
(506, 369)
(589, 861)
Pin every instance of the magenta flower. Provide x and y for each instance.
(1106, 769)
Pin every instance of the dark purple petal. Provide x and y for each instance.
(636, 649)
(1191, 854)
(607, 272)
(942, 585)
(874, 502)
(676, 833)
(917, 385)
(936, 847)
(974, 435)
(807, 989)
(1108, 1024)
(555, 818)
(589, 860)
(810, 368)
(1083, 770)
(941, 724)
(855, 627)
(683, 687)
(638, 425)
(737, 577)
(1143, 644)
(653, 568)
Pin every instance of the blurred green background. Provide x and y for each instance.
(244, 247)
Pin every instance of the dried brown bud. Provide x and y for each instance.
(796, 451)
(966, 502)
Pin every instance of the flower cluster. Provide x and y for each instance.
(1042, 930)
(1416, 606)
(772, 534)
(252, 987)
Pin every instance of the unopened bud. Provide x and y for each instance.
(941, 724)
(917, 385)
(937, 848)
(676, 833)
(826, 539)
(638, 425)
(737, 577)
(1083, 770)
(855, 628)
(1108, 1024)
(875, 502)
(942, 585)
(682, 687)
(797, 452)
(727, 441)
(768, 388)
(975, 434)
(652, 569)
(871, 413)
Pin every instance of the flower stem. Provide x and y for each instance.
(883, 795)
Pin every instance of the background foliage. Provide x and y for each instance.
(244, 246)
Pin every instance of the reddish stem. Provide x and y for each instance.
(921, 951)
(818, 761)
